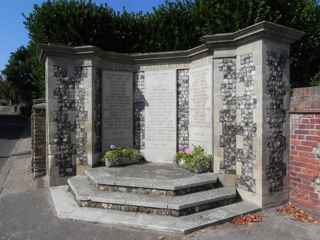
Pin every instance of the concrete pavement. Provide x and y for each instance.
(29, 215)
(273, 227)
(26, 210)
(11, 128)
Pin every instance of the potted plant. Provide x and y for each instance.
(195, 160)
(120, 156)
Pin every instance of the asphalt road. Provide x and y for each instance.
(11, 129)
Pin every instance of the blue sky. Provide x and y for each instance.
(12, 31)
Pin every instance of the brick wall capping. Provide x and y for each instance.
(305, 100)
(209, 42)
(306, 91)
(304, 111)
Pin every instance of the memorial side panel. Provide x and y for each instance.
(117, 109)
(161, 116)
(201, 118)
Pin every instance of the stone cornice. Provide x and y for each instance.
(222, 40)
(257, 31)
(82, 51)
(183, 55)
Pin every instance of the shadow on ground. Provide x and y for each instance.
(11, 129)
(30, 215)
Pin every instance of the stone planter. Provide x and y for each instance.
(121, 161)
(199, 168)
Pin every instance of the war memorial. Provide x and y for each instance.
(229, 95)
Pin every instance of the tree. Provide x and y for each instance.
(24, 73)
(72, 23)
(7, 92)
(173, 25)
(176, 25)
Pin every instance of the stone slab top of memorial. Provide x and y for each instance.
(164, 177)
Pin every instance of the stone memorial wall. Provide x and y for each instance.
(200, 128)
(236, 119)
(139, 110)
(228, 114)
(68, 115)
(183, 108)
(247, 126)
(117, 109)
(228, 95)
(276, 88)
(70, 94)
(160, 115)
(97, 113)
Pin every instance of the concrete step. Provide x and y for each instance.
(67, 208)
(140, 179)
(87, 195)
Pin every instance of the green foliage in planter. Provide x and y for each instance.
(122, 156)
(196, 161)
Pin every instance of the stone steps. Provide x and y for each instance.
(67, 208)
(114, 180)
(152, 196)
(87, 195)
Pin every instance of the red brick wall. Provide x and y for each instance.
(304, 163)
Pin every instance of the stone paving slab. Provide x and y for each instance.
(274, 226)
(16, 175)
(31, 216)
(22, 147)
(150, 175)
(67, 208)
(85, 191)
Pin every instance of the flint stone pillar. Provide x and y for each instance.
(251, 102)
(69, 112)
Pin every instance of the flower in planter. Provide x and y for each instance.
(112, 147)
(188, 150)
(181, 148)
(194, 159)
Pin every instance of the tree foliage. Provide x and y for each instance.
(7, 91)
(173, 25)
(25, 74)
